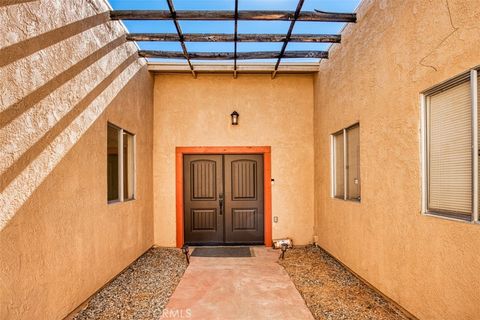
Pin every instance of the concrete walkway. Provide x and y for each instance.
(237, 288)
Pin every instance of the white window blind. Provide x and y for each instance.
(339, 182)
(353, 163)
(449, 120)
(346, 163)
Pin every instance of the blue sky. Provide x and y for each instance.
(228, 26)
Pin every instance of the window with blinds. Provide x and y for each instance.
(339, 177)
(120, 164)
(346, 163)
(451, 148)
(353, 162)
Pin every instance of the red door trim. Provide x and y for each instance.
(267, 175)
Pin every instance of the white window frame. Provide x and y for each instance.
(472, 77)
(121, 180)
(333, 169)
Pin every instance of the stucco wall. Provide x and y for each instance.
(68, 71)
(278, 113)
(396, 50)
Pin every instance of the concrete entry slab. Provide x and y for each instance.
(237, 288)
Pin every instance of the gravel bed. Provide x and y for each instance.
(141, 291)
(331, 291)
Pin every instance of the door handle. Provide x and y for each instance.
(220, 202)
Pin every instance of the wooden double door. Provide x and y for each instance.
(223, 199)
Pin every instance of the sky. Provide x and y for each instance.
(280, 27)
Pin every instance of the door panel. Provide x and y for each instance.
(244, 221)
(203, 179)
(205, 219)
(203, 189)
(244, 179)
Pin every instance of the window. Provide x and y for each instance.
(339, 165)
(450, 160)
(128, 165)
(113, 137)
(346, 163)
(120, 164)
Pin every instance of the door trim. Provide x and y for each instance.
(266, 151)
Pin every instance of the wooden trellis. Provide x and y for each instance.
(236, 15)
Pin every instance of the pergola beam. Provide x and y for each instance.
(223, 37)
(235, 40)
(230, 15)
(173, 14)
(287, 37)
(231, 55)
(245, 67)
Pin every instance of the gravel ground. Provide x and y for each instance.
(332, 292)
(141, 291)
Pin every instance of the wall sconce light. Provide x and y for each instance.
(234, 116)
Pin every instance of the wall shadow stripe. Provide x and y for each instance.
(16, 109)
(16, 168)
(4, 3)
(29, 46)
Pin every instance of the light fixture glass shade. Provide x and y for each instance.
(234, 116)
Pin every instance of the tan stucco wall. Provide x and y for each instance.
(66, 241)
(396, 50)
(59, 239)
(276, 113)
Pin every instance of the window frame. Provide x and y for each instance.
(121, 180)
(468, 76)
(333, 169)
